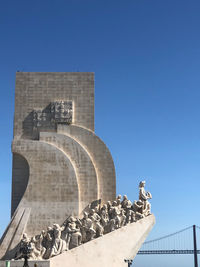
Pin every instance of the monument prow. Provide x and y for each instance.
(110, 250)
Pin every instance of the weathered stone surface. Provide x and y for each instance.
(108, 250)
(59, 167)
(31, 263)
(57, 174)
(85, 172)
(100, 156)
(13, 233)
(37, 90)
(99, 220)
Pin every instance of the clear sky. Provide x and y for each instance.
(146, 59)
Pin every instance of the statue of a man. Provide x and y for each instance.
(143, 195)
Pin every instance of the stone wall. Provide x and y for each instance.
(37, 90)
(59, 164)
(21, 174)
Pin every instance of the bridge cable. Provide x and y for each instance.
(166, 236)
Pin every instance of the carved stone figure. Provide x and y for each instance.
(119, 204)
(34, 253)
(126, 204)
(109, 206)
(104, 216)
(24, 247)
(59, 245)
(38, 249)
(48, 240)
(87, 229)
(138, 207)
(130, 216)
(119, 197)
(147, 208)
(74, 238)
(115, 216)
(97, 221)
(122, 218)
(106, 221)
(143, 195)
(62, 111)
(58, 112)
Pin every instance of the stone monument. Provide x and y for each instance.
(64, 204)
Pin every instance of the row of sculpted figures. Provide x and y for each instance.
(96, 222)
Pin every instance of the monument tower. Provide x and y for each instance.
(59, 164)
(64, 208)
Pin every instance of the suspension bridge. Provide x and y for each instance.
(185, 241)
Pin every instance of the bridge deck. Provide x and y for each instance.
(185, 251)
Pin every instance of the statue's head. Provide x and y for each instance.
(56, 226)
(139, 202)
(70, 225)
(119, 197)
(85, 214)
(72, 219)
(125, 197)
(114, 203)
(92, 211)
(109, 204)
(118, 202)
(104, 207)
(142, 184)
(25, 236)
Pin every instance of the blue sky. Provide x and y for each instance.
(146, 59)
